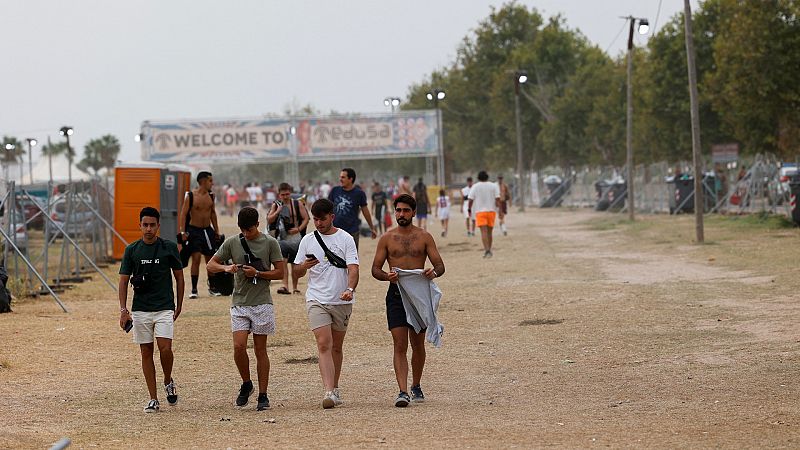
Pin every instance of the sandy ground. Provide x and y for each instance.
(580, 332)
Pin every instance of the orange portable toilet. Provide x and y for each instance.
(145, 183)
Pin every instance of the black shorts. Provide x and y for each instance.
(201, 240)
(289, 249)
(395, 312)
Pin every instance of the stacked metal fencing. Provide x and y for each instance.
(752, 186)
(56, 235)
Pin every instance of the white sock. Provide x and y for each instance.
(503, 227)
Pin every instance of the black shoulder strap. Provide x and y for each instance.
(189, 212)
(334, 259)
(246, 247)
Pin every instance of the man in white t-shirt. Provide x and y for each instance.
(324, 190)
(470, 219)
(484, 200)
(331, 292)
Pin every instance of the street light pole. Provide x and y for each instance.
(31, 143)
(520, 77)
(435, 96)
(67, 132)
(644, 26)
(699, 192)
(9, 148)
(392, 102)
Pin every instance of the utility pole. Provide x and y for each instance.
(629, 127)
(699, 192)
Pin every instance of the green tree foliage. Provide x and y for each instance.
(12, 156)
(573, 108)
(755, 86)
(99, 154)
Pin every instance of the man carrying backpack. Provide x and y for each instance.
(197, 225)
(288, 218)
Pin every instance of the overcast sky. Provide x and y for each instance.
(105, 66)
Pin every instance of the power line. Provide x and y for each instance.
(658, 13)
(617, 36)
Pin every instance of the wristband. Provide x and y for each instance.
(352, 291)
(123, 310)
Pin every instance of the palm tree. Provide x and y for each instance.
(50, 149)
(13, 155)
(100, 153)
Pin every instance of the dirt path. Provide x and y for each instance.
(571, 336)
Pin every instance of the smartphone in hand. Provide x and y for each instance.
(128, 325)
(310, 256)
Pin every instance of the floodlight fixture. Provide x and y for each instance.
(644, 26)
(66, 131)
(10, 147)
(32, 142)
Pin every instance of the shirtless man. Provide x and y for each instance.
(505, 199)
(405, 247)
(201, 229)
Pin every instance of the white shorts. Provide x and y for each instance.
(443, 213)
(465, 211)
(147, 324)
(258, 319)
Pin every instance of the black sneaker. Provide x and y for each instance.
(416, 394)
(244, 393)
(172, 394)
(151, 407)
(263, 402)
(402, 400)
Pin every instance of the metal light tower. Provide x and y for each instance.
(436, 96)
(67, 132)
(520, 77)
(31, 143)
(392, 102)
(9, 148)
(644, 27)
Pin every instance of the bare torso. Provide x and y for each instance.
(407, 250)
(202, 209)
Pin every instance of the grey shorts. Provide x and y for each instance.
(258, 319)
(320, 315)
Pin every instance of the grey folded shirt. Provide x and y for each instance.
(421, 298)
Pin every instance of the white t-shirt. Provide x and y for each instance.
(324, 190)
(253, 193)
(483, 194)
(326, 282)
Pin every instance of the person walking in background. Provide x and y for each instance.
(469, 218)
(288, 217)
(443, 210)
(379, 202)
(331, 258)
(348, 199)
(404, 186)
(406, 248)
(505, 199)
(421, 196)
(198, 227)
(230, 199)
(252, 252)
(147, 264)
(484, 200)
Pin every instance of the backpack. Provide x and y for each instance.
(5, 294)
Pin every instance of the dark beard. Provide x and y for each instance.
(401, 223)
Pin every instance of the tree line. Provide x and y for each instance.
(573, 107)
(100, 153)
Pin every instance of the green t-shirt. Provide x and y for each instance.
(245, 293)
(137, 260)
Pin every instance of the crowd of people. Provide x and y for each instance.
(261, 254)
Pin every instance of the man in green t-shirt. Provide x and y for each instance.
(251, 304)
(147, 263)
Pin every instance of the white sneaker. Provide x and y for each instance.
(193, 294)
(152, 406)
(329, 401)
(337, 397)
